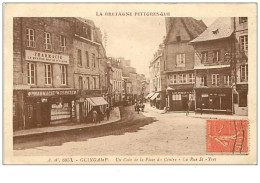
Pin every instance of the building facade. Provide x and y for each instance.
(179, 61)
(87, 51)
(214, 61)
(158, 82)
(240, 96)
(43, 79)
(117, 83)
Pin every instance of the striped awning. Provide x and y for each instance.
(96, 101)
(149, 95)
(154, 96)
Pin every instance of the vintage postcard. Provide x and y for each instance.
(130, 83)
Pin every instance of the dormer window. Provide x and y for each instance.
(215, 31)
(242, 20)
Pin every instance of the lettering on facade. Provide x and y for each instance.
(51, 93)
(46, 57)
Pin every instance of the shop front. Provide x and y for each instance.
(179, 99)
(241, 100)
(216, 100)
(44, 107)
(88, 101)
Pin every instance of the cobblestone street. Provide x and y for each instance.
(147, 133)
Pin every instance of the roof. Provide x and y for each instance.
(201, 67)
(193, 27)
(86, 21)
(219, 29)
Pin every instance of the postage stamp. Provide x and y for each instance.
(226, 136)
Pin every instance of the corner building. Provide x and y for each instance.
(43, 86)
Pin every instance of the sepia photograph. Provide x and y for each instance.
(126, 86)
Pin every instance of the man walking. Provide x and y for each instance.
(107, 113)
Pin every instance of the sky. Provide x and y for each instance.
(135, 39)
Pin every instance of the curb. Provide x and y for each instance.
(66, 130)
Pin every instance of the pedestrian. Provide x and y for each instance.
(188, 107)
(94, 116)
(107, 113)
(138, 108)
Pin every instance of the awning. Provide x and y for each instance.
(154, 96)
(90, 101)
(149, 95)
(99, 101)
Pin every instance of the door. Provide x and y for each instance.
(184, 100)
(46, 113)
(29, 116)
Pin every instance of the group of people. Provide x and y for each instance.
(96, 114)
(139, 106)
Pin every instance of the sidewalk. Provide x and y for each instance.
(192, 114)
(114, 117)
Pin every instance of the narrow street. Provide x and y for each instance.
(147, 133)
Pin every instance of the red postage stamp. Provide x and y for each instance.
(227, 136)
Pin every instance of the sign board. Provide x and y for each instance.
(51, 93)
(37, 56)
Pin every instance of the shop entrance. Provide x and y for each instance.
(184, 100)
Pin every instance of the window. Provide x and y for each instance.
(48, 73)
(47, 41)
(174, 78)
(227, 80)
(80, 83)
(87, 59)
(63, 70)
(178, 38)
(180, 60)
(93, 60)
(30, 38)
(62, 43)
(242, 20)
(215, 79)
(191, 78)
(31, 73)
(243, 73)
(203, 81)
(244, 43)
(204, 57)
(79, 57)
(88, 87)
(95, 82)
(216, 56)
(180, 78)
(184, 78)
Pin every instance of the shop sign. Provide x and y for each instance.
(50, 93)
(46, 57)
(204, 95)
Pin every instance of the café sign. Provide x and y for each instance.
(46, 57)
(50, 93)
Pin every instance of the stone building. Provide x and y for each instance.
(214, 52)
(116, 81)
(158, 82)
(240, 81)
(43, 85)
(179, 61)
(88, 53)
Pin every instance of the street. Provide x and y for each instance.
(147, 133)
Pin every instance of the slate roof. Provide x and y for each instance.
(219, 29)
(193, 27)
